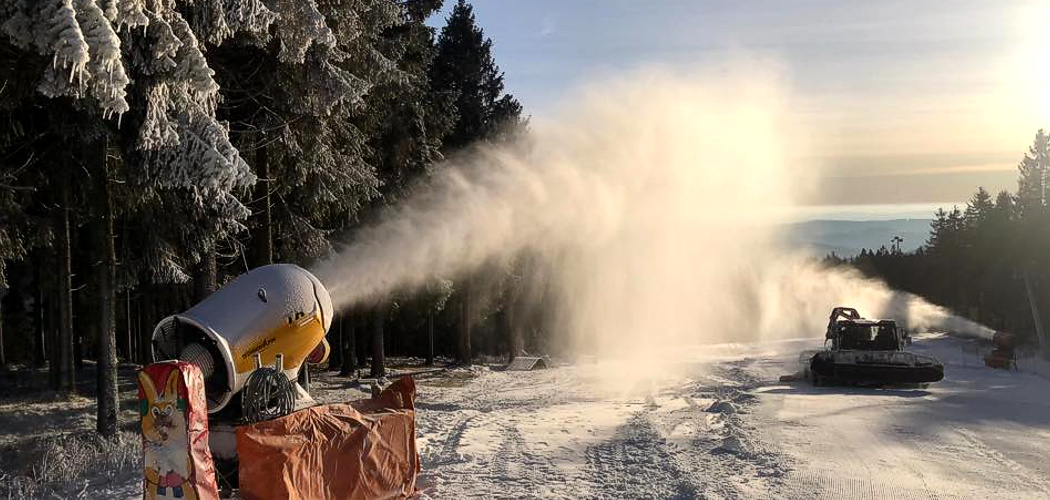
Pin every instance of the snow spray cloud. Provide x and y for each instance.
(652, 203)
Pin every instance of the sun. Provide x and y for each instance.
(1037, 60)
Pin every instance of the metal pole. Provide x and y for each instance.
(1036, 317)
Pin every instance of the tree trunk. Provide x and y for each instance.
(466, 317)
(361, 349)
(263, 237)
(512, 331)
(205, 276)
(78, 337)
(39, 349)
(130, 353)
(430, 335)
(50, 324)
(1037, 318)
(54, 365)
(335, 340)
(106, 276)
(3, 359)
(349, 346)
(137, 337)
(66, 377)
(378, 317)
(147, 308)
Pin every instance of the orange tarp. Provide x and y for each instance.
(363, 450)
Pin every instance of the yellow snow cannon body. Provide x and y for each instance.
(272, 316)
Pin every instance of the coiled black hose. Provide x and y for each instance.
(267, 395)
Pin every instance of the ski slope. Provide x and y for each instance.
(720, 426)
(980, 433)
(715, 424)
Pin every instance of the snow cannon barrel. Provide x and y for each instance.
(270, 311)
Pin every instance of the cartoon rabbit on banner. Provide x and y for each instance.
(174, 413)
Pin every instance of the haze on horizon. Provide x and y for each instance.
(911, 103)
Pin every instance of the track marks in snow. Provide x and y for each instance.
(674, 448)
(556, 435)
(637, 464)
(513, 469)
(447, 451)
(550, 435)
(518, 467)
(1002, 469)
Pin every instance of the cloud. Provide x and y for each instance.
(905, 170)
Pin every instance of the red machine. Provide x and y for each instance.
(1003, 357)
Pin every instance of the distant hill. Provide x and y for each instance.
(847, 238)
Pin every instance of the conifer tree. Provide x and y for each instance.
(410, 122)
(12, 238)
(1034, 180)
(135, 131)
(296, 103)
(1032, 203)
(1003, 216)
(978, 209)
(465, 71)
(174, 155)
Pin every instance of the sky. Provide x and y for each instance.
(912, 102)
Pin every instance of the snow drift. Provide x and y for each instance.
(652, 203)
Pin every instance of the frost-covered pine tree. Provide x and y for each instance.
(106, 78)
(328, 156)
(296, 103)
(407, 139)
(12, 239)
(185, 166)
(80, 44)
(215, 21)
(68, 49)
(180, 151)
(132, 71)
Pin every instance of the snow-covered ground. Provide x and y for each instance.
(721, 426)
(980, 433)
(713, 424)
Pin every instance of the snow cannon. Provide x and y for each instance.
(273, 316)
(1003, 356)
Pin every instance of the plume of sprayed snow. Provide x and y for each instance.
(653, 203)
